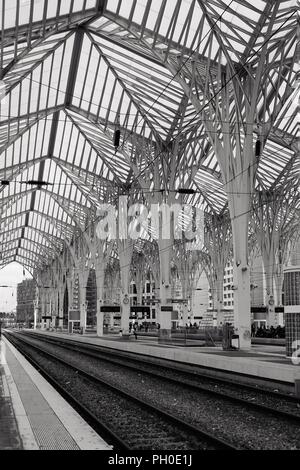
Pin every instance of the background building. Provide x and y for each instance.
(292, 308)
(8, 319)
(26, 292)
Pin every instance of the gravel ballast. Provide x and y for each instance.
(232, 422)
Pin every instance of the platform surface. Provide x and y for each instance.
(37, 417)
(10, 438)
(261, 361)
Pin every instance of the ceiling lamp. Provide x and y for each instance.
(258, 148)
(185, 191)
(117, 135)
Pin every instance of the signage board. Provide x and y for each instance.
(166, 308)
(110, 309)
(74, 315)
(140, 309)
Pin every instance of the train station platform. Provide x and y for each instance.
(33, 416)
(261, 361)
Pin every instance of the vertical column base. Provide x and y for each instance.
(125, 314)
(220, 319)
(35, 318)
(100, 318)
(164, 336)
(185, 317)
(165, 321)
(83, 319)
(242, 306)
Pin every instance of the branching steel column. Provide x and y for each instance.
(100, 254)
(217, 248)
(139, 274)
(275, 222)
(187, 263)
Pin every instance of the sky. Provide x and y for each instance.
(11, 275)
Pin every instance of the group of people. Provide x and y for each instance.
(261, 332)
(133, 329)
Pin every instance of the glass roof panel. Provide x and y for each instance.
(73, 75)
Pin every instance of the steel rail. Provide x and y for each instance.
(181, 424)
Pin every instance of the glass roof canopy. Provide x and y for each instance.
(73, 70)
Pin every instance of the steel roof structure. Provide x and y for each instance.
(72, 71)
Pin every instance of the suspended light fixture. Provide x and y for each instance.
(186, 191)
(38, 183)
(259, 142)
(258, 148)
(117, 135)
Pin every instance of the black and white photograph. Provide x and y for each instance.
(149, 230)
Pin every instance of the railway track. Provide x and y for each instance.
(202, 373)
(191, 380)
(127, 422)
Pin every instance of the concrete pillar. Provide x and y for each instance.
(82, 299)
(164, 312)
(185, 314)
(125, 313)
(61, 307)
(125, 251)
(43, 309)
(268, 267)
(100, 292)
(241, 271)
(35, 313)
(36, 305)
(83, 313)
(278, 287)
(100, 268)
(271, 314)
(100, 317)
(242, 315)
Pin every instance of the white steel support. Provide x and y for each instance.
(101, 260)
(164, 317)
(100, 279)
(217, 248)
(221, 85)
(275, 224)
(138, 275)
(36, 304)
(83, 277)
(125, 251)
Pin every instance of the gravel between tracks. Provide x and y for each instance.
(140, 429)
(234, 389)
(232, 422)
